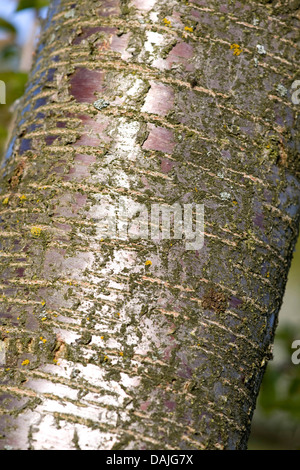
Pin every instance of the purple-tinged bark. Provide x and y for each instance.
(160, 102)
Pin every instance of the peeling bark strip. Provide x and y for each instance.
(140, 344)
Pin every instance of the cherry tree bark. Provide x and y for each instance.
(128, 342)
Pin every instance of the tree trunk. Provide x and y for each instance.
(128, 342)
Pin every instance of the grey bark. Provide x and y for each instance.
(135, 343)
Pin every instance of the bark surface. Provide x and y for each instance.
(160, 102)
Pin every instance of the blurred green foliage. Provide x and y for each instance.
(276, 423)
(281, 385)
(7, 26)
(15, 84)
(37, 4)
(10, 55)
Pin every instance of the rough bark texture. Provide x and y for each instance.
(193, 105)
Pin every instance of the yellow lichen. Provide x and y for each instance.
(236, 49)
(36, 231)
(167, 22)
